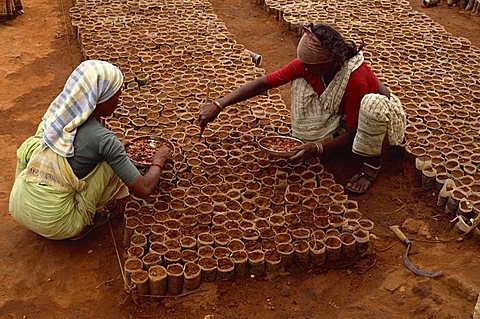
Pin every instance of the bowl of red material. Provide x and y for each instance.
(279, 145)
(142, 149)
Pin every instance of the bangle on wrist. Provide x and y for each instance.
(157, 165)
(217, 104)
(319, 147)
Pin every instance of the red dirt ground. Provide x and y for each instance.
(47, 279)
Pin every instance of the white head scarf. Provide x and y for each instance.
(92, 82)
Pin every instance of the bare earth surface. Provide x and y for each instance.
(47, 279)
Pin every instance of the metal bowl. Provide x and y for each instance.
(278, 139)
(153, 141)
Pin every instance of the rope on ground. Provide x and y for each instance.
(118, 255)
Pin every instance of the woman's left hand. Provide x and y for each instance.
(306, 151)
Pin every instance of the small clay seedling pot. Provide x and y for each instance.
(139, 240)
(157, 282)
(272, 261)
(221, 239)
(208, 266)
(131, 265)
(206, 251)
(444, 193)
(366, 224)
(130, 224)
(140, 280)
(251, 234)
(465, 208)
(175, 279)
(135, 251)
(317, 252)
(336, 221)
(302, 252)
(221, 252)
(188, 242)
(282, 238)
(333, 247)
(235, 245)
(362, 237)
(151, 259)
(192, 276)
(301, 234)
(226, 268)
(205, 239)
(286, 252)
(428, 178)
(172, 256)
(349, 245)
(158, 248)
(256, 262)
(240, 259)
(453, 201)
(189, 255)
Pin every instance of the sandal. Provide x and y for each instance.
(101, 218)
(367, 174)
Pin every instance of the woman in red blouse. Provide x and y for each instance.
(337, 101)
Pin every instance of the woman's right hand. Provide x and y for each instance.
(162, 155)
(208, 112)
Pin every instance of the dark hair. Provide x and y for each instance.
(340, 49)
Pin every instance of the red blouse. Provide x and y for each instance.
(362, 81)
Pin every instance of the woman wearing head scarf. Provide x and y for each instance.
(73, 166)
(337, 101)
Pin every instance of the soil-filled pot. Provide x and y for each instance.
(445, 192)
(140, 280)
(286, 252)
(131, 265)
(349, 245)
(283, 238)
(175, 279)
(465, 208)
(251, 234)
(256, 262)
(130, 224)
(317, 252)
(272, 261)
(206, 251)
(204, 239)
(302, 252)
(301, 234)
(192, 276)
(362, 237)
(235, 245)
(139, 240)
(189, 255)
(172, 256)
(453, 201)
(221, 252)
(225, 268)
(208, 266)
(188, 242)
(151, 259)
(366, 224)
(333, 247)
(240, 259)
(157, 276)
(221, 239)
(135, 251)
(428, 178)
